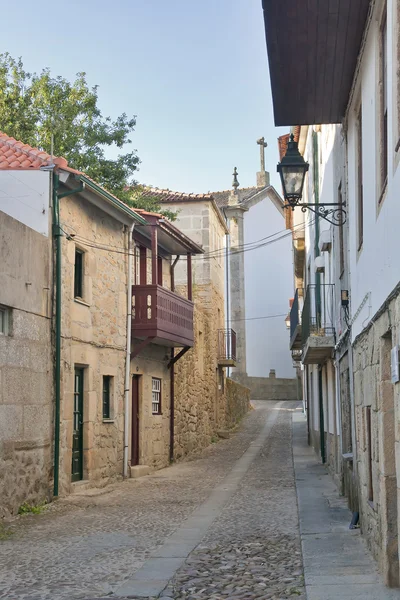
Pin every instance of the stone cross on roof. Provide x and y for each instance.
(263, 144)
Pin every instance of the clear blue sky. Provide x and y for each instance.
(194, 72)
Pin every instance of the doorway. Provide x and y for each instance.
(135, 421)
(77, 425)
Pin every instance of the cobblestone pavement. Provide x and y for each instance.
(86, 546)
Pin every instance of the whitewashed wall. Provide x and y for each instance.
(25, 196)
(268, 288)
(375, 269)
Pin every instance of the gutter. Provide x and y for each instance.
(121, 206)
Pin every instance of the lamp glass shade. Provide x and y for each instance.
(293, 181)
(292, 170)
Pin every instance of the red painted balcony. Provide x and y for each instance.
(163, 315)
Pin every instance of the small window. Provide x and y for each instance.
(4, 320)
(156, 396)
(78, 276)
(107, 397)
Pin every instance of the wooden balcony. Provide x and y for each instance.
(163, 315)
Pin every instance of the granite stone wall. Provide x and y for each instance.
(378, 440)
(26, 367)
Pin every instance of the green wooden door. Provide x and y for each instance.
(77, 434)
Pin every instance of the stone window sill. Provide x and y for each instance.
(348, 457)
(80, 301)
(108, 420)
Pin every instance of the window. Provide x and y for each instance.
(107, 397)
(360, 191)
(341, 234)
(159, 270)
(156, 396)
(143, 265)
(137, 265)
(4, 320)
(78, 275)
(383, 106)
(369, 452)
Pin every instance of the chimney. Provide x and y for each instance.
(262, 175)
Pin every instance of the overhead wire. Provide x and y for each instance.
(221, 253)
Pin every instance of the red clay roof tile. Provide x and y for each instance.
(17, 155)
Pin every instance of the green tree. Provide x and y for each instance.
(53, 114)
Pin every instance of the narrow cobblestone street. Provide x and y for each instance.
(223, 526)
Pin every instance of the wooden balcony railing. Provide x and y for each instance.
(162, 315)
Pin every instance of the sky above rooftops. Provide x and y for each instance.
(195, 74)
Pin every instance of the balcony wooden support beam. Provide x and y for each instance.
(178, 356)
(189, 277)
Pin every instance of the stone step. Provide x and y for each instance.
(140, 471)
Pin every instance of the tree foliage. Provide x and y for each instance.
(56, 115)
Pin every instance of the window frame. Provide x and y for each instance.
(383, 149)
(6, 320)
(154, 390)
(360, 187)
(79, 285)
(108, 389)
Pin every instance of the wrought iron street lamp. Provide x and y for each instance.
(292, 170)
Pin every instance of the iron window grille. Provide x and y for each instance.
(107, 397)
(156, 396)
(78, 275)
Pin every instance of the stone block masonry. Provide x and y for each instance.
(271, 388)
(25, 368)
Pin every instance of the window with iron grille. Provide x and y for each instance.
(107, 396)
(4, 320)
(78, 274)
(156, 396)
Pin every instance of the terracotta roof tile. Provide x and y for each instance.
(170, 196)
(17, 155)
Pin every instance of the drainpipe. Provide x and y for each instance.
(57, 234)
(172, 381)
(128, 350)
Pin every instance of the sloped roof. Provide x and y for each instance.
(17, 155)
(166, 195)
(243, 194)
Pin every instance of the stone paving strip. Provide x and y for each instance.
(152, 578)
(91, 543)
(336, 561)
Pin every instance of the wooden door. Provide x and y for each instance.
(135, 421)
(77, 433)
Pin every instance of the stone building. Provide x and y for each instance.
(259, 285)
(26, 373)
(350, 354)
(205, 401)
